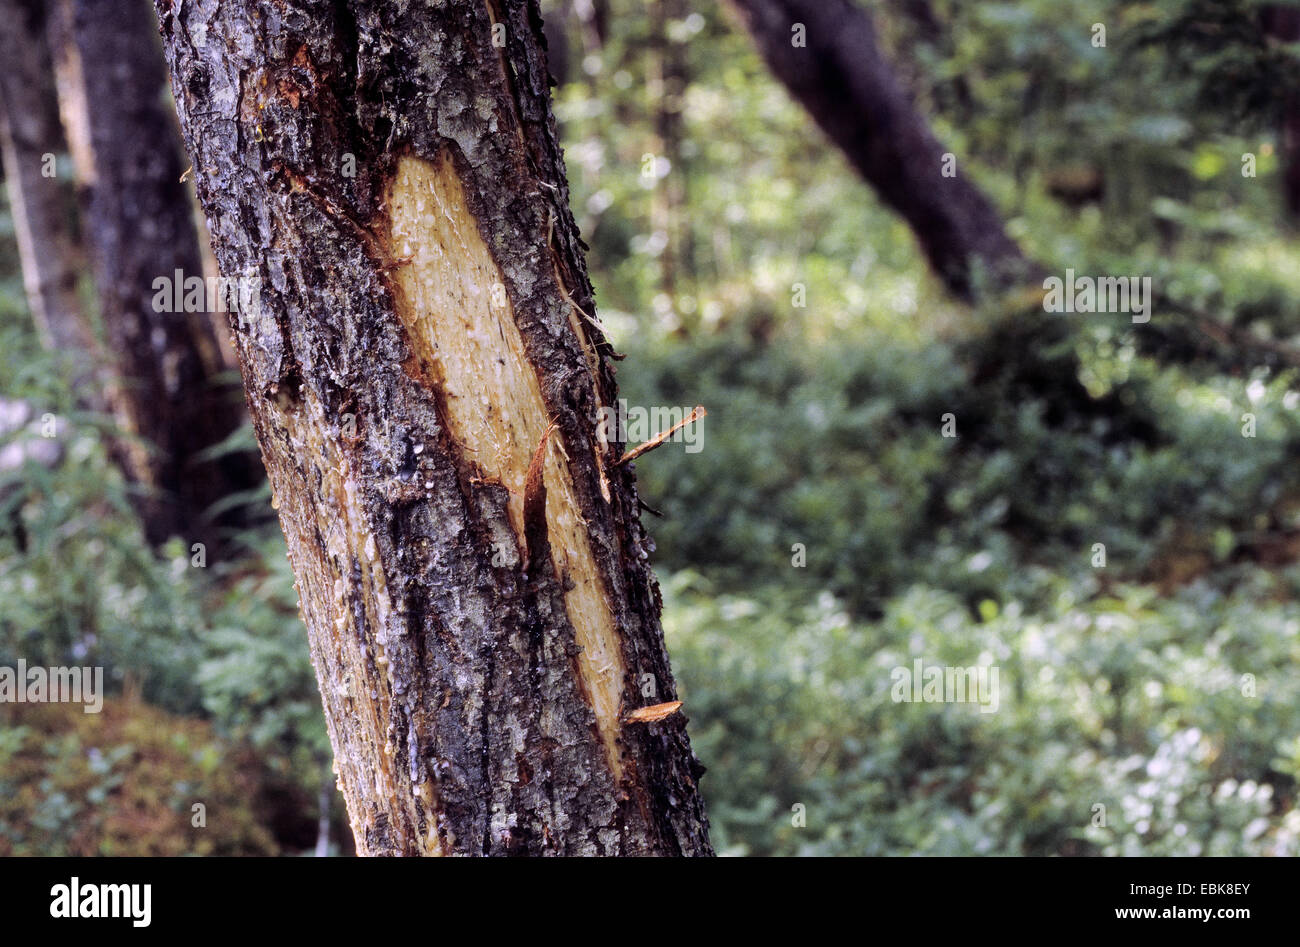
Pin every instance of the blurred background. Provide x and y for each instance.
(826, 532)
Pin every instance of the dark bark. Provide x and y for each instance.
(476, 588)
(849, 87)
(1282, 23)
(138, 228)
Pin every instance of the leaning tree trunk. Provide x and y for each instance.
(138, 229)
(826, 54)
(476, 588)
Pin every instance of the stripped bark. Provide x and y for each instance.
(475, 584)
(138, 228)
(846, 83)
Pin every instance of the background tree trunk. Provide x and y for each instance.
(1282, 23)
(47, 246)
(666, 90)
(50, 250)
(848, 86)
(594, 17)
(478, 598)
(138, 227)
(555, 28)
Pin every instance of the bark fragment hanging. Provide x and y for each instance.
(535, 541)
(661, 437)
(653, 712)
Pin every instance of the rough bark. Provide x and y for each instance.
(138, 228)
(475, 585)
(849, 87)
(47, 246)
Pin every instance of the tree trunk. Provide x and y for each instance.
(478, 599)
(30, 139)
(1282, 23)
(844, 80)
(555, 27)
(594, 17)
(50, 250)
(138, 227)
(666, 89)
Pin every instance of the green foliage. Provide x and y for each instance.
(222, 642)
(839, 448)
(257, 677)
(1224, 46)
(1123, 700)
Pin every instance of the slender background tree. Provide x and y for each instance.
(31, 140)
(139, 229)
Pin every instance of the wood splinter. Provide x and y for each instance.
(653, 712)
(661, 437)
